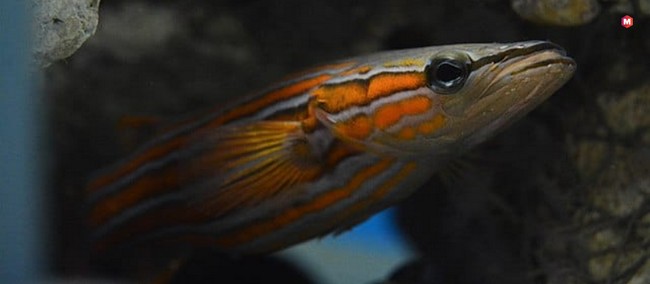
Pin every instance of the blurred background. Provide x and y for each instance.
(560, 197)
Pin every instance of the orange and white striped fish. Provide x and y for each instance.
(321, 151)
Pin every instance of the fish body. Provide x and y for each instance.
(322, 150)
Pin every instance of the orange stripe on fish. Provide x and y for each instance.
(389, 83)
(150, 154)
(406, 133)
(271, 98)
(358, 127)
(389, 114)
(432, 125)
(363, 92)
(150, 185)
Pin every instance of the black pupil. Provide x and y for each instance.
(447, 75)
(448, 72)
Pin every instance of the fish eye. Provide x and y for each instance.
(447, 73)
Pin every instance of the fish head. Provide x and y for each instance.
(439, 100)
(482, 89)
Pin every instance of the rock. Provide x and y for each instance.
(61, 27)
(609, 231)
(557, 12)
(626, 114)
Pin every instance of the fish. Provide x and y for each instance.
(320, 151)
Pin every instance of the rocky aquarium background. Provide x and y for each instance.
(560, 197)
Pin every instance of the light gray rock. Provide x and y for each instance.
(61, 27)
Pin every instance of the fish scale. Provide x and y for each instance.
(320, 151)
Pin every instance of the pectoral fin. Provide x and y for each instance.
(257, 161)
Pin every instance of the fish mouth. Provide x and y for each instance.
(543, 58)
(527, 64)
(523, 77)
(517, 52)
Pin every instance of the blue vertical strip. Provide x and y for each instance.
(21, 230)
